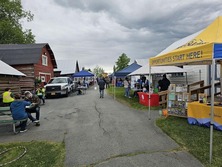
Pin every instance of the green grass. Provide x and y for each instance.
(39, 154)
(193, 138)
(133, 102)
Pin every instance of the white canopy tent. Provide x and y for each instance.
(179, 43)
(144, 70)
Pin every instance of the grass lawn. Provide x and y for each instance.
(39, 154)
(194, 139)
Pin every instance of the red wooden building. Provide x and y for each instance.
(37, 61)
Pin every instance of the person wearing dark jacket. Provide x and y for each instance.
(34, 107)
(17, 108)
(101, 84)
(164, 83)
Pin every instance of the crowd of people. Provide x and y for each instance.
(22, 107)
(142, 85)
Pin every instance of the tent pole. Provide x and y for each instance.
(199, 75)
(113, 85)
(114, 88)
(220, 82)
(212, 107)
(149, 115)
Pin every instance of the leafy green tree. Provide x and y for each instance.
(122, 62)
(11, 15)
(98, 71)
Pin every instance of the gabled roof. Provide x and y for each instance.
(141, 61)
(66, 66)
(6, 69)
(16, 54)
(124, 72)
(83, 73)
(77, 67)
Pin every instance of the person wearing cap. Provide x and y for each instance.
(17, 108)
(34, 107)
(7, 97)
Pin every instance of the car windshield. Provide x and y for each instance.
(58, 80)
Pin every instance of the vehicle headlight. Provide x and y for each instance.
(64, 87)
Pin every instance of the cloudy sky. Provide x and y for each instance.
(97, 32)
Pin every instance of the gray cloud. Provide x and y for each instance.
(97, 32)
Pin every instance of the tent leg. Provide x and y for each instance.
(212, 108)
(186, 79)
(149, 115)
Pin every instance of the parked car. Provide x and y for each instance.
(59, 86)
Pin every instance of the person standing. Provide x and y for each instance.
(127, 86)
(40, 92)
(164, 83)
(17, 108)
(107, 81)
(7, 97)
(101, 84)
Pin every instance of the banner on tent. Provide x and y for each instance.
(199, 113)
(193, 54)
(217, 51)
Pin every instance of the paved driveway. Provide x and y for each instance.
(103, 132)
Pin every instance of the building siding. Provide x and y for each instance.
(7, 81)
(28, 82)
(42, 70)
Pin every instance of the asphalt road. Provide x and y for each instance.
(102, 133)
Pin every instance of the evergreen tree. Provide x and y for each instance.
(122, 62)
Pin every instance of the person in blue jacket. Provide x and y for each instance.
(17, 108)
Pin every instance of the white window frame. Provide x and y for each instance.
(43, 78)
(44, 60)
